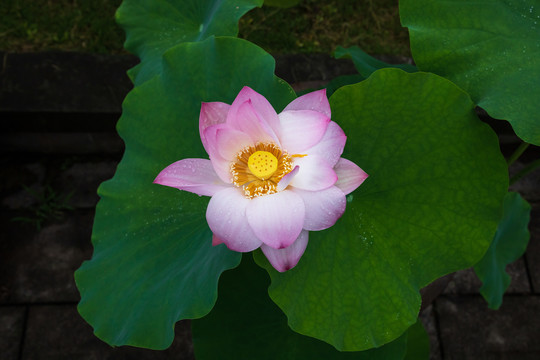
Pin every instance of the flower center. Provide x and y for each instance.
(258, 169)
(262, 164)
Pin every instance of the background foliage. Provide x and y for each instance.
(310, 27)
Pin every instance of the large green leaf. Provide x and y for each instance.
(430, 206)
(417, 343)
(153, 262)
(245, 324)
(508, 245)
(367, 64)
(154, 26)
(490, 48)
(342, 80)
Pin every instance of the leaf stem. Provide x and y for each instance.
(526, 170)
(520, 150)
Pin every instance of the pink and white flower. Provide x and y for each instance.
(272, 177)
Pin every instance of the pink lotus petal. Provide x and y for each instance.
(193, 175)
(212, 113)
(249, 122)
(222, 168)
(302, 129)
(331, 145)
(221, 165)
(209, 135)
(287, 258)
(350, 176)
(231, 141)
(323, 208)
(284, 182)
(276, 219)
(315, 174)
(216, 241)
(226, 216)
(262, 107)
(316, 101)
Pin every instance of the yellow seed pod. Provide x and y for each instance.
(262, 164)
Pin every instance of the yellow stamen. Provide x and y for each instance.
(258, 169)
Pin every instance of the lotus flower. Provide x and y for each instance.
(272, 177)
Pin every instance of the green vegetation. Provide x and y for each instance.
(319, 26)
(311, 26)
(49, 206)
(68, 25)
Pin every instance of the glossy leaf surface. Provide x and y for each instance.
(342, 80)
(153, 263)
(246, 324)
(489, 48)
(430, 206)
(508, 245)
(154, 26)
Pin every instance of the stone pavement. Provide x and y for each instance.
(61, 165)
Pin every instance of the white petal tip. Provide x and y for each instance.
(284, 182)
